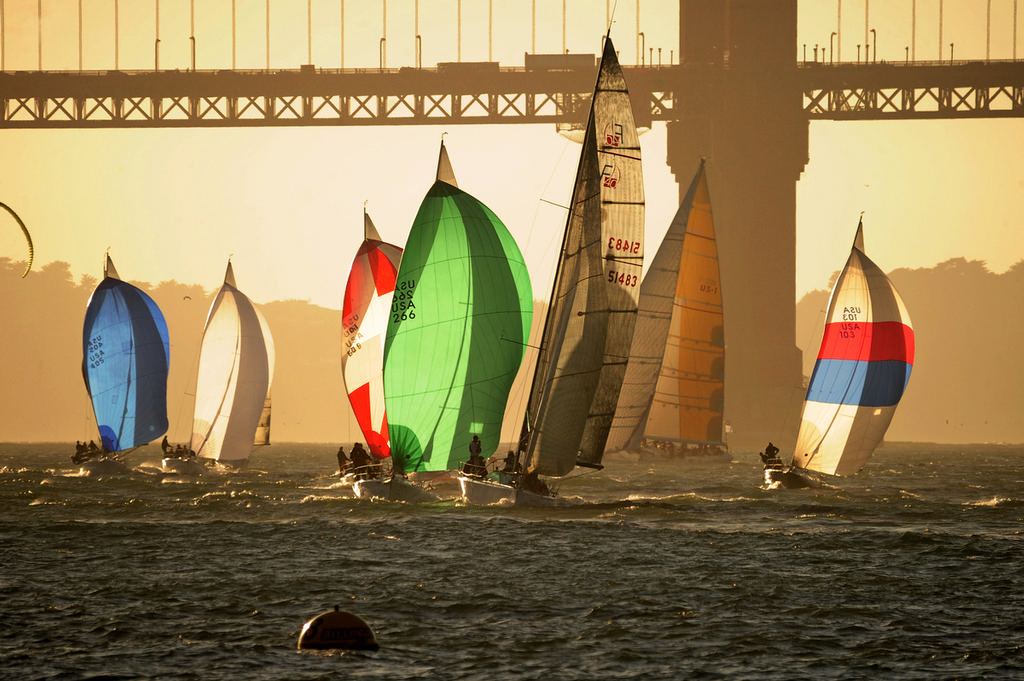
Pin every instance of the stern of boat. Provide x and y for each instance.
(483, 492)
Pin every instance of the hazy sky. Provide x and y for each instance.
(173, 204)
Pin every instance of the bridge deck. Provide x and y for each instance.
(485, 93)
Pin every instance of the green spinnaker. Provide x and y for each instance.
(459, 324)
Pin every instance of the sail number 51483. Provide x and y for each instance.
(623, 278)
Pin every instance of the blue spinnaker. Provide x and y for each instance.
(125, 359)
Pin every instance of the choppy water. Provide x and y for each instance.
(662, 570)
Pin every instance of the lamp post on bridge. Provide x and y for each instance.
(192, 31)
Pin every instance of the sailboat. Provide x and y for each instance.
(593, 306)
(262, 435)
(456, 336)
(675, 381)
(862, 370)
(235, 366)
(125, 360)
(365, 311)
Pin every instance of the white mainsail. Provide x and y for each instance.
(235, 365)
(592, 312)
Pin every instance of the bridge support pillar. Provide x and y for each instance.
(743, 114)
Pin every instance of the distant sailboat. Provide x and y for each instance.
(593, 306)
(365, 310)
(456, 335)
(125, 360)
(235, 364)
(262, 437)
(673, 392)
(863, 366)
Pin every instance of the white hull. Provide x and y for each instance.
(183, 466)
(489, 492)
(395, 488)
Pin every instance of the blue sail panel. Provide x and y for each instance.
(864, 384)
(126, 348)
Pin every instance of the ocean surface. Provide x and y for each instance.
(657, 569)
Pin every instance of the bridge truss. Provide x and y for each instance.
(480, 93)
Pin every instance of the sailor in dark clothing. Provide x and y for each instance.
(770, 457)
(342, 461)
(476, 466)
(165, 445)
(360, 461)
(511, 462)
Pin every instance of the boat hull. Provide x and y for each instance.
(789, 477)
(98, 467)
(183, 466)
(486, 492)
(395, 488)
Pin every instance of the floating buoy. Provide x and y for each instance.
(337, 629)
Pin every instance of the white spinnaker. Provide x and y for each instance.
(233, 378)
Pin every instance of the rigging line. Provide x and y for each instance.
(801, 390)
(611, 19)
(516, 342)
(610, 151)
(533, 225)
(557, 205)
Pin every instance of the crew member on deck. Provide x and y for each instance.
(342, 461)
(770, 457)
(511, 462)
(81, 454)
(360, 461)
(476, 466)
(165, 445)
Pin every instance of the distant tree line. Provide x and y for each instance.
(965, 385)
